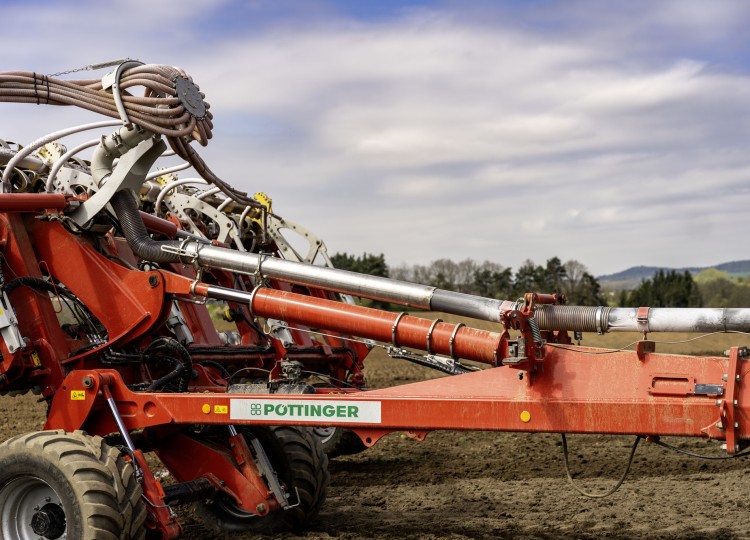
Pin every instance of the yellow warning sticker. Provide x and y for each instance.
(221, 409)
(77, 395)
(35, 359)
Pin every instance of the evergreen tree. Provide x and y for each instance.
(493, 283)
(666, 289)
(368, 263)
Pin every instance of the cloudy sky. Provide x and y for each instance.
(614, 133)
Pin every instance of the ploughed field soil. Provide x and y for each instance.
(495, 485)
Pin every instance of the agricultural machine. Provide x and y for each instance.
(112, 276)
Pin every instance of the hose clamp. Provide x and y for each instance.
(252, 298)
(642, 319)
(453, 339)
(258, 272)
(196, 298)
(395, 326)
(194, 284)
(598, 319)
(429, 334)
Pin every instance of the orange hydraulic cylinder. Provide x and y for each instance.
(457, 341)
(32, 202)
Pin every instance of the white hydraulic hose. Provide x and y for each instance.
(176, 168)
(28, 150)
(170, 187)
(63, 159)
(207, 193)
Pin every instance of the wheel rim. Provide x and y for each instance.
(324, 434)
(29, 500)
(228, 505)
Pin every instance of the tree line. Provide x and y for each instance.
(487, 279)
(709, 288)
(667, 288)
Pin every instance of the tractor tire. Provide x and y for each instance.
(55, 484)
(302, 466)
(338, 441)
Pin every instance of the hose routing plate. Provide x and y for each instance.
(190, 96)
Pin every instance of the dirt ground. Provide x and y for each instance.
(458, 485)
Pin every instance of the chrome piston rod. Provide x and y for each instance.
(571, 318)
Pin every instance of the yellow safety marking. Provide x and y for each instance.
(35, 359)
(206, 408)
(221, 409)
(255, 214)
(525, 416)
(77, 395)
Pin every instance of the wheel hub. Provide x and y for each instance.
(31, 510)
(49, 521)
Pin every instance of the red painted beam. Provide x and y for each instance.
(574, 392)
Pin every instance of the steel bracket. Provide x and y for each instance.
(729, 405)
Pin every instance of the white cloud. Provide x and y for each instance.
(446, 133)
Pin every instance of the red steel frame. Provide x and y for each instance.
(617, 393)
(561, 389)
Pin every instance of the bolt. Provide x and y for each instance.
(724, 377)
(48, 499)
(261, 508)
(718, 403)
(735, 402)
(37, 508)
(719, 425)
(87, 382)
(737, 378)
(736, 425)
(153, 280)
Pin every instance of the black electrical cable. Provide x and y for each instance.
(78, 309)
(699, 456)
(180, 355)
(38, 284)
(324, 377)
(233, 375)
(217, 365)
(253, 325)
(169, 377)
(614, 488)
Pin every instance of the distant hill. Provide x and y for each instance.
(632, 277)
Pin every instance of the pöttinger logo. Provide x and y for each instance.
(308, 410)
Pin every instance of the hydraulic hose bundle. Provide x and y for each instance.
(172, 106)
(160, 109)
